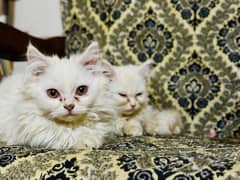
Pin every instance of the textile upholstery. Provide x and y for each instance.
(123, 158)
(194, 46)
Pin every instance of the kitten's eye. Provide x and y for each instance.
(81, 90)
(53, 93)
(139, 94)
(122, 94)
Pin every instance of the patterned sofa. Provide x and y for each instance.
(195, 47)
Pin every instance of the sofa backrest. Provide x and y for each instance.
(195, 47)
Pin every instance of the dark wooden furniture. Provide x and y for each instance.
(13, 44)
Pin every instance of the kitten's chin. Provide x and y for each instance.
(129, 112)
(71, 120)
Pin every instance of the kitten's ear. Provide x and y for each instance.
(33, 54)
(91, 55)
(37, 61)
(103, 68)
(108, 70)
(144, 69)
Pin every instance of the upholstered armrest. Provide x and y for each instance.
(13, 44)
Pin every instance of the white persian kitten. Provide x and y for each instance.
(55, 103)
(130, 98)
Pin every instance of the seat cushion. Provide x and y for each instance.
(182, 157)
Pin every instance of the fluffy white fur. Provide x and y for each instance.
(130, 97)
(29, 116)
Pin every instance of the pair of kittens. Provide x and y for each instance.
(76, 102)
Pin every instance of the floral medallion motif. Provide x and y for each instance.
(194, 11)
(220, 166)
(127, 162)
(140, 174)
(109, 10)
(205, 174)
(66, 170)
(228, 125)
(228, 39)
(163, 167)
(6, 159)
(150, 39)
(166, 166)
(84, 37)
(194, 86)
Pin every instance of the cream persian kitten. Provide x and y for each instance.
(55, 103)
(130, 98)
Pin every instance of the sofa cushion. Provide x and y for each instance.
(126, 158)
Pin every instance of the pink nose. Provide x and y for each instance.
(69, 107)
(133, 106)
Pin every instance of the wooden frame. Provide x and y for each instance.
(7, 9)
(10, 15)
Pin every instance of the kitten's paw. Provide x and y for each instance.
(133, 129)
(134, 132)
(176, 126)
(175, 123)
(89, 142)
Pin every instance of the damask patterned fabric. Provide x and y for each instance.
(123, 158)
(194, 44)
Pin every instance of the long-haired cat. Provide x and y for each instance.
(130, 98)
(55, 103)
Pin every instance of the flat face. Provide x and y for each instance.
(128, 89)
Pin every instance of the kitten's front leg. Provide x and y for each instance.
(133, 128)
(89, 138)
(88, 142)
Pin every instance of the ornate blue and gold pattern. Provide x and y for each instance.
(229, 39)
(194, 44)
(194, 86)
(150, 39)
(109, 10)
(194, 11)
(183, 158)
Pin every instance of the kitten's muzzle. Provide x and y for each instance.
(69, 107)
(133, 106)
